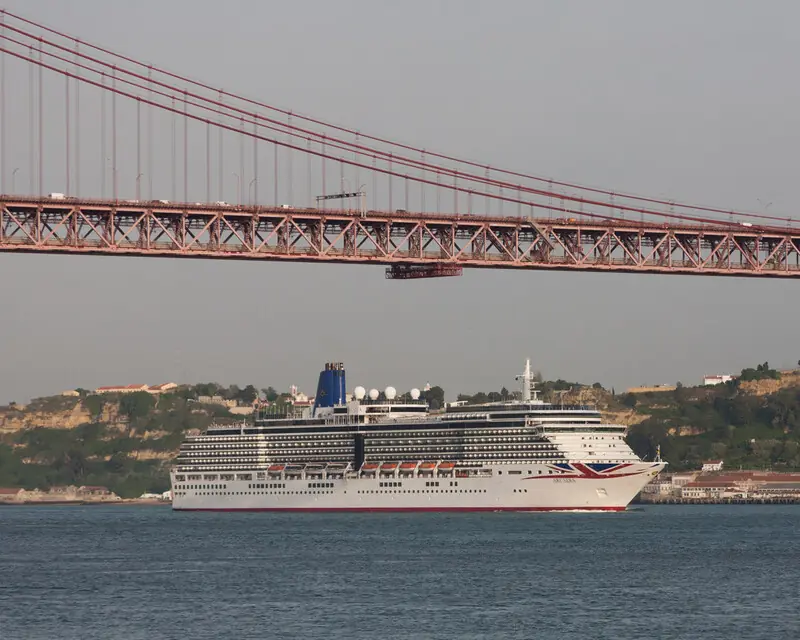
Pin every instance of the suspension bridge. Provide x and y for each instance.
(190, 170)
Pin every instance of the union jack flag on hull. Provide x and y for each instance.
(591, 471)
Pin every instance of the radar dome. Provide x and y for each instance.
(373, 394)
(390, 393)
(415, 394)
(359, 393)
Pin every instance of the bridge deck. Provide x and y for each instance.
(223, 231)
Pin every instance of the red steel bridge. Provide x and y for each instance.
(184, 169)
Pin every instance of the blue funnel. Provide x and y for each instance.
(332, 388)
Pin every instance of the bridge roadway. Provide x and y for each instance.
(184, 230)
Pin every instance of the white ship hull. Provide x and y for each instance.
(531, 487)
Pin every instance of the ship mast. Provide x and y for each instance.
(529, 391)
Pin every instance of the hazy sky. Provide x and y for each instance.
(690, 100)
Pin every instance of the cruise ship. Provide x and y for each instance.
(375, 451)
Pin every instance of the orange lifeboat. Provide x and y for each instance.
(427, 466)
(388, 467)
(276, 468)
(408, 466)
(447, 466)
(369, 467)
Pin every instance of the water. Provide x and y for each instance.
(148, 573)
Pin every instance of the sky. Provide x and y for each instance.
(686, 100)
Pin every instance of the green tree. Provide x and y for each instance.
(232, 393)
(118, 463)
(73, 463)
(248, 394)
(136, 405)
(93, 404)
(207, 389)
(270, 394)
(629, 400)
(434, 397)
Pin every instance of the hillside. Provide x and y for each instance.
(751, 422)
(127, 442)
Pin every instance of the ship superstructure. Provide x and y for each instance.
(377, 451)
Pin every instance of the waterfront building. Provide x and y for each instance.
(710, 381)
(712, 465)
(682, 479)
(162, 388)
(711, 489)
(130, 388)
(11, 494)
(659, 487)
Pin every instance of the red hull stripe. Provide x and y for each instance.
(396, 509)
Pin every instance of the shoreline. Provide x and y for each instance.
(85, 503)
(704, 501)
(637, 504)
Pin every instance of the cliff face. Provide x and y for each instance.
(788, 380)
(125, 442)
(628, 418)
(55, 413)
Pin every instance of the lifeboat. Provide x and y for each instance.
(369, 467)
(388, 467)
(315, 469)
(294, 469)
(427, 466)
(336, 470)
(276, 469)
(408, 466)
(447, 466)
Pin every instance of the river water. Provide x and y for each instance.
(662, 572)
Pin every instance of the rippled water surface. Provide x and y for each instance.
(148, 573)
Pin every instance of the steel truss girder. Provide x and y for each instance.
(156, 229)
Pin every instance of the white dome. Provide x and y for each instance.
(415, 394)
(373, 394)
(390, 393)
(359, 393)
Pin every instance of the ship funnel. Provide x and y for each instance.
(332, 387)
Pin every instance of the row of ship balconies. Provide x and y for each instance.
(405, 450)
(414, 435)
(332, 458)
(420, 442)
